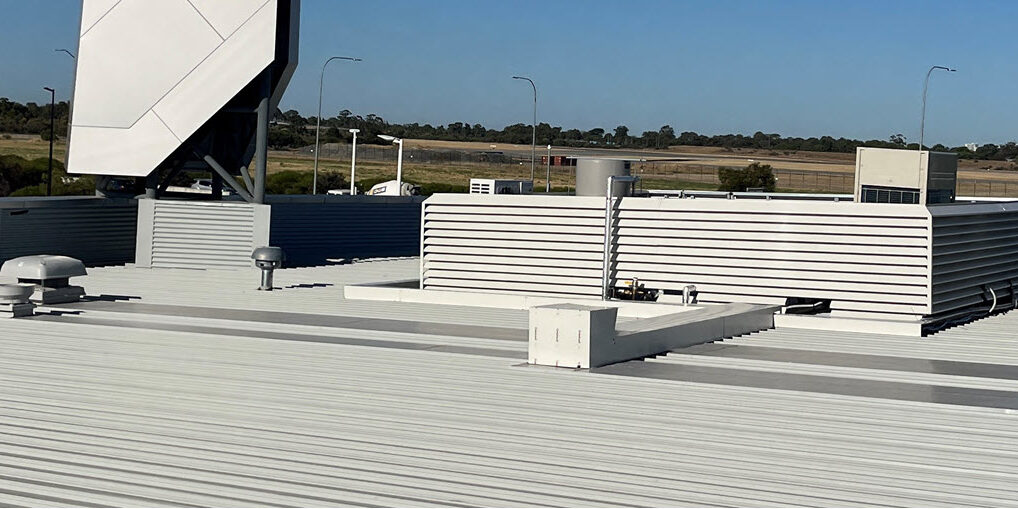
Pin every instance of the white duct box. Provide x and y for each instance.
(571, 335)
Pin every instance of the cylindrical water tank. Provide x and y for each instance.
(592, 176)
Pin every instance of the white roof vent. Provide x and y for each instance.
(50, 274)
(14, 301)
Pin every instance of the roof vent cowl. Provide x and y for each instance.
(50, 275)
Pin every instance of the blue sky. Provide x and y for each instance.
(798, 68)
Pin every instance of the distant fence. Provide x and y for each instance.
(370, 153)
(794, 180)
(821, 181)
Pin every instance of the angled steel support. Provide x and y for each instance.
(247, 178)
(216, 167)
(166, 181)
(101, 181)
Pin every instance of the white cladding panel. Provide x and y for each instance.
(226, 16)
(149, 74)
(136, 54)
(92, 11)
(113, 149)
(212, 83)
(867, 258)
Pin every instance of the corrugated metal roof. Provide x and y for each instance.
(306, 290)
(133, 415)
(990, 340)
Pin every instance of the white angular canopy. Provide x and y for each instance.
(151, 73)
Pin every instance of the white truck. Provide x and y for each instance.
(390, 188)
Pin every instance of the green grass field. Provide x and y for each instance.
(31, 147)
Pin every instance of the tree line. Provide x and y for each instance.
(32, 118)
(292, 130)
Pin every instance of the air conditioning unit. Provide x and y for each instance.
(497, 186)
(905, 176)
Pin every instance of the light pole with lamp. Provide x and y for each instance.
(922, 119)
(548, 188)
(533, 135)
(926, 84)
(318, 129)
(52, 103)
(66, 51)
(353, 162)
(399, 163)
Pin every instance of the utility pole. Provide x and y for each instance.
(548, 187)
(318, 129)
(533, 134)
(52, 118)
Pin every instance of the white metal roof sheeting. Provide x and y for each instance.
(990, 340)
(118, 416)
(322, 292)
(136, 416)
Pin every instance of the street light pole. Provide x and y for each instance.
(399, 163)
(353, 162)
(66, 51)
(318, 129)
(926, 84)
(548, 187)
(533, 134)
(399, 167)
(52, 116)
(922, 119)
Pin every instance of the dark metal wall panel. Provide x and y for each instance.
(975, 248)
(314, 231)
(98, 231)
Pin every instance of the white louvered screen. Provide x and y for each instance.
(869, 259)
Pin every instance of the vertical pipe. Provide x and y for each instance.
(261, 140)
(609, 200)
(606, 264)
(399, 170)
(533, 136)
(353, 165)
(549, 169)
(52, 117)
(318, 130)
(217, 187)
(152, 185)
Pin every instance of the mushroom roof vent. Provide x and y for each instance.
(42, 268)
(268, 254)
